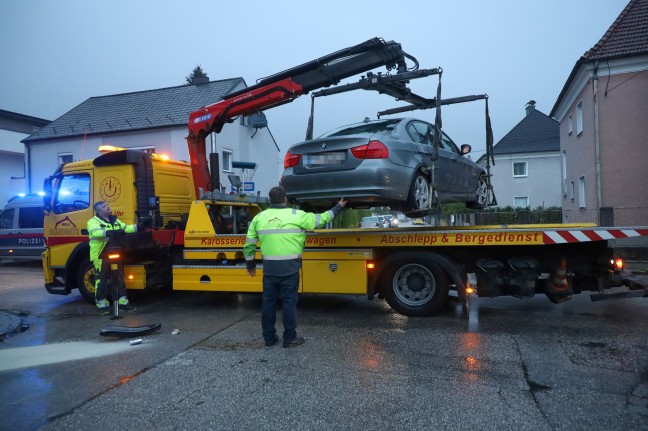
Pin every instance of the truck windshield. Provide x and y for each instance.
(72, 193)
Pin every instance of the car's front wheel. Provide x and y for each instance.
(419, 195)
(481, 194)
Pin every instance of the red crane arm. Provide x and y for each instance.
(282, 88)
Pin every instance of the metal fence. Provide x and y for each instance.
(608, 217)
(631, 249)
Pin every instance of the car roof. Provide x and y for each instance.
(24, 201)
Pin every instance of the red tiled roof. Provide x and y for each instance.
(627, 36)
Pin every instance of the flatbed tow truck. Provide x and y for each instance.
(199, 232)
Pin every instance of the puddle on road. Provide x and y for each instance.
(26, 357)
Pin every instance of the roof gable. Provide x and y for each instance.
(535, 133)
(628, 35)
(162, 107)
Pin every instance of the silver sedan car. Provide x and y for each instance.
(382, 163)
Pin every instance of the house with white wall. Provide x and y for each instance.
(154, 121)
(526, 172)
(13, 128)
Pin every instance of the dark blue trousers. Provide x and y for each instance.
(282, 288)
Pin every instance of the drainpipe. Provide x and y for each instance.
(597, 138)
(28, 168)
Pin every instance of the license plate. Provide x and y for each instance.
(325, 159)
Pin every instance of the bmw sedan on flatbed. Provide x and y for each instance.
(382, 163)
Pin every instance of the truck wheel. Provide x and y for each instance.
(416, 288)
(85, 280)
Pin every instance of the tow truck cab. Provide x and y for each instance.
(134, 184)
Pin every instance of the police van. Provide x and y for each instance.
(21, 228)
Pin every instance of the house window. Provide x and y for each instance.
(570, 124)
(519, 169)
(581, 192)
(521, 202)
(65, 158)
(227, 161)
(579, 118)
(572, 191)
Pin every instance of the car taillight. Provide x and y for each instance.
(291, 160)
(373, 150)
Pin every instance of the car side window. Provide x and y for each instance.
(420, 132)
(30, 218)
(448, 144)
(7, 218)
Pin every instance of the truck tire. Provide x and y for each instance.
(85, 280)
(416, 288)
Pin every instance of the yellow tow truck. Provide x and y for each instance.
(197, 245)
(198, 231)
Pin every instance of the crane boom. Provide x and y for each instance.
(284, 87)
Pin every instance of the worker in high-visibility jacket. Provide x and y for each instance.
(281, 232)
(103, 226)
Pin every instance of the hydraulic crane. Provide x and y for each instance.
(286, 86)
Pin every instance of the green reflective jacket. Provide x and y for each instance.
(97, 228)
(281, 232)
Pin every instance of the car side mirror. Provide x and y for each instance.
(465, 149)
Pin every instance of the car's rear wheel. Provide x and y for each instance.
(481, 194)
(419, 194)
(416, 288)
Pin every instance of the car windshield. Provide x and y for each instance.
(364, 129)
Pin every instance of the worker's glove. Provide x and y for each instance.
(115, 233)
(250, 265)
(144, 223)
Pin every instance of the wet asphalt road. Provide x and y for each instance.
(510, 365)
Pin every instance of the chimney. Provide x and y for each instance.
(199, 80)
(530, 106)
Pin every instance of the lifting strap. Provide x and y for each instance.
(309, 128)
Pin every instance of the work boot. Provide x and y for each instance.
(272, 342)
(104, 310)
(127, 307)
(298, 341)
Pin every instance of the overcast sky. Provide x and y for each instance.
(57, 53)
